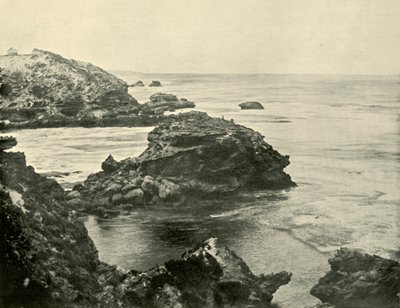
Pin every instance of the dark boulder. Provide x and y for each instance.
(109, 165)
(7, 142)
(251, 105)
(360, 280)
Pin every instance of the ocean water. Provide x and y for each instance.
(342, 134)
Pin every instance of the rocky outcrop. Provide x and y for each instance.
(43, 86)
(359, 280)
(161, 102)
(251, 105)
(155, 83)
(137, 84)
(7, 142)
(191, 156)
(48, 260)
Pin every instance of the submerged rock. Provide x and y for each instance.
(48, 260)
(194, 156)
(251, 105)
(7, 142)
(155, 83)
(161, 102)
(359, 280)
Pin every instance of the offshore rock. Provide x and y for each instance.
(194, 156)
(137, 84)
(7, 142)
(251, 105)
(359, 280)
(48, 260)
(155, 83)
(161, 102)
(44, 88)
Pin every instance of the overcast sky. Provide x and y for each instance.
(211, 36)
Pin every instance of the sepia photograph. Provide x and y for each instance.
(199, 154)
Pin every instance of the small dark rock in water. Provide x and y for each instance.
(137, 84)
(7, 142)
(48, 260)
(191, 156)
(251, 105)
(155, 83)
(360, 280)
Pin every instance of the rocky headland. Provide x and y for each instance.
(189, 157)
(48, 259)
(44, 89)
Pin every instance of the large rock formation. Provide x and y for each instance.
(43, 86)
(7, 142)
(161, 102)
(48, 260)
(359, 280)
(191, 156)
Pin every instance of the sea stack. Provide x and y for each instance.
(190, 156)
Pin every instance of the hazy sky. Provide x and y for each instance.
(211, 36)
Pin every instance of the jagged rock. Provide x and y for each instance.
(117, 199)
(137, 84)
(155, 83)
(12, 52)
(48, 260)
(206, 155)
(129, 187)
(161, 102)
(194, 156)
(46, 89)
(359, 280)
(109, 165)
(251, 105)
(7, 142)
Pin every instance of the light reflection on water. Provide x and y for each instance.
(342, 134)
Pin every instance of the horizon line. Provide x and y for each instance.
(199, 73)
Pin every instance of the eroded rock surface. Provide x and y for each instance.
(48, 260)
(359, 280)
(44, 87)
(191, 156)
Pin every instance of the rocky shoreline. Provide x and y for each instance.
(48, 260)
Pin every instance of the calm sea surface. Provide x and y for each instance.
(342, 134)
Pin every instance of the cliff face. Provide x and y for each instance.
(43, 85)
(359, 280)
(47, 259)
(191, 156)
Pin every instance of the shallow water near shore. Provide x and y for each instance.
(342, 133)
